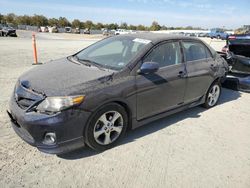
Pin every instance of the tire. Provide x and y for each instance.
(102, 132)
(213, 95)
(218, 37)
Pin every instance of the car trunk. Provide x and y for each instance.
(240, 49)
(241, 64)
(239, 46)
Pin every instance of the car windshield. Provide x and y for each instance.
(112, 53)
(8, 27)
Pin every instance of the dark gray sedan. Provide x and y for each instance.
(116, 84)
(7, 31)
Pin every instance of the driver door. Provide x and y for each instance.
(163, 90)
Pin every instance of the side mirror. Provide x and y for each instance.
(148, 67)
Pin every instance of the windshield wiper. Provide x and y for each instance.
(76, 58)
(90, 62)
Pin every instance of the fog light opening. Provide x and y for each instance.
(49, 138)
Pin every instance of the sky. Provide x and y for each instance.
(198, 13)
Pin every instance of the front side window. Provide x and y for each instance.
(113, 53)
(195, 51)
(165, 54)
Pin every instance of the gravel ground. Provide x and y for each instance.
(194, 148)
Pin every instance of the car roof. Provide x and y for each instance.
(157, 37)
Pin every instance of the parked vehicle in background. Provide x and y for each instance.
(39, 29)
(76, 30)
(178, 33)
(123, 32)
(106, 32)
(68, 30)
(243, 30)
(53, 29)
(94, 96)
(189, 34)
(44, 29)
(86, 31)
(218, 33)
(6, 30)
(201, 34)
(238, 58)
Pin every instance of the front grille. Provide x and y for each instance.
(25, 97)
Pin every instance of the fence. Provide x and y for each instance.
(60, 30)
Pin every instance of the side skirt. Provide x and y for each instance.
(136, 124)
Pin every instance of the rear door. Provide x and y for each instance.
(164, 89)
(200, 68)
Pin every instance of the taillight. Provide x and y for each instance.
(232, 37)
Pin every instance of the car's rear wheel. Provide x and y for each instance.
(213, 95)
(106, 127)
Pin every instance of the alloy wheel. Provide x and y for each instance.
(108, 127)
(213, 95)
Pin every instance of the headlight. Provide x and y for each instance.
(56, 104)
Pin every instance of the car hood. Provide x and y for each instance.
(62, 77)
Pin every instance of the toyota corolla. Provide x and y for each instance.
(94, 96)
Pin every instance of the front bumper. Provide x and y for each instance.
(68, 126)
(11, 33)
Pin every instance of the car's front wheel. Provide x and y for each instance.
(213, 95)
(106, 127)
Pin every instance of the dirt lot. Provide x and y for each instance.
(194, 148)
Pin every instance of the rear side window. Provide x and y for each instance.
(195, 51)
(165, 54)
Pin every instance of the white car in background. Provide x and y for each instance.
(123, 31)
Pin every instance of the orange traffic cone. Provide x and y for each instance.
(34, 49)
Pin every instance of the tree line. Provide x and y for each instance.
(40, 20)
